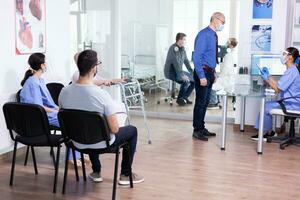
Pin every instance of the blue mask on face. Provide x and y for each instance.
(220, 27)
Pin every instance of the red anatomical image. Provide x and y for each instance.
(25, 34)
(35, 8)
(19, 6)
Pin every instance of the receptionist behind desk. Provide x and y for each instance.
(287, 86)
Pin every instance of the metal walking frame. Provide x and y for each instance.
(133, 99)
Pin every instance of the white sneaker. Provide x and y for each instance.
(96, 177)
(124, 180)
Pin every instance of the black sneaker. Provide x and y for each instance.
(266, 136)
(209, 134)
(199, 136)
(181, 102)
(188, 101)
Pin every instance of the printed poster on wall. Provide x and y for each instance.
(30, 26)
(261, 37)
(262, 9)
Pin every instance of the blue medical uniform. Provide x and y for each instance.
(289, 85)
(35, 91)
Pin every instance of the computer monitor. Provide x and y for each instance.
(272, 61)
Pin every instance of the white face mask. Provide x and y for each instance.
(45, 68)
(220, 27)
(283, 59)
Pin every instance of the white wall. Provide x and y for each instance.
(13, 67)
(244, 55)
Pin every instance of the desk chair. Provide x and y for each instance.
(169, 99)
(291, 115)
(28, 124)
(88, 128)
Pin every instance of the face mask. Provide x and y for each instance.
(220, 27)
(44, 69)
(282, 59)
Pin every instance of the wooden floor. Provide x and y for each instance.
(175, 167)
(152, 105)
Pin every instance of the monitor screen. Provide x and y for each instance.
(271, 61)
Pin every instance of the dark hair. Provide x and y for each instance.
(294, 52)
(233, 42)
(35, 61)
(86, 61)
(180, 36)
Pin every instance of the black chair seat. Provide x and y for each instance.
(40, 140)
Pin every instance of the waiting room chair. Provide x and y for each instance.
(55, 89)
(292, 115)
(87, 128)
(28, 124)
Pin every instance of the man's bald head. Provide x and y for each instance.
(217, 15)
(217, 21)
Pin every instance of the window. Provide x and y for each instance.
(186, 20)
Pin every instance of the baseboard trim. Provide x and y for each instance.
(8, 153)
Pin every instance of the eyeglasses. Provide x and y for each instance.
(98, 63)
(223, 22)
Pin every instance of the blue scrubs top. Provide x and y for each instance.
(289, 84)
(35, 91)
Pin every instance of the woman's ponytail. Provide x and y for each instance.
(28, 73)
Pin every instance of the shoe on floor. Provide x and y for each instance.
(213, 106)
(78, 162)
(199, 135)
(266, 136)
(208, 134)
(124, 180)
(96, 177)
(188, 101)
(181, 102)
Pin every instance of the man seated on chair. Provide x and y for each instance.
(173, 69)
(85, 95)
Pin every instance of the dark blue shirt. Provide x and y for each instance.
(205, 51)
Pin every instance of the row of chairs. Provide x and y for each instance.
(28, 124)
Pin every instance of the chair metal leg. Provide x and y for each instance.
(34, 160)
(130, 172)
(26, 156)
(13, 163)
(56, 169)
(75, 165)
(66, 170)
(53, 156)
(51, 149)
(116, 174)
(83, 166)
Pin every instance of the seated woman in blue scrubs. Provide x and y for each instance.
(287, 86)
(34, 90)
